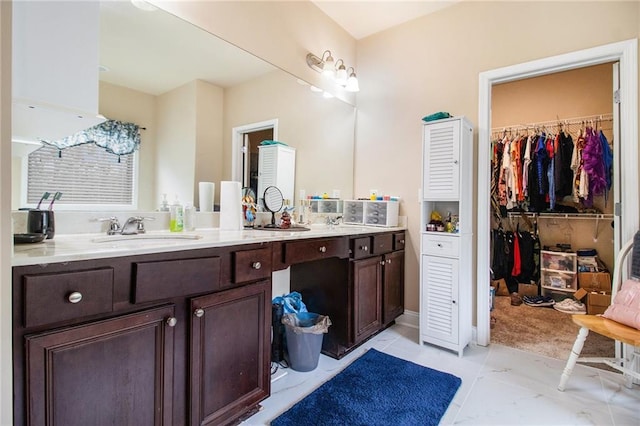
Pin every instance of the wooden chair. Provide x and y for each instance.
(629, 366)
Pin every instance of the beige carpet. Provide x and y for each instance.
(542, 330)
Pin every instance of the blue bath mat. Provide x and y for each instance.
(376, 389)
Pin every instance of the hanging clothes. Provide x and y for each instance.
(593, 163)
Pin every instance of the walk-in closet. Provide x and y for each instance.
(552, 205)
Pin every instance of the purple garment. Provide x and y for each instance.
(542, 158)
(593, 163)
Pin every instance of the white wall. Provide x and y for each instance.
(209, 138)
(320, 129)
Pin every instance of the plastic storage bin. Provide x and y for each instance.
(304, 332)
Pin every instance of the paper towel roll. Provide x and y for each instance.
(230, 205)
(207, 193)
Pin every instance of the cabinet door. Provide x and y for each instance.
(230, 353)
(439, 312)
(393, 286)
(367, 289)
(441, 161)
(113, 372)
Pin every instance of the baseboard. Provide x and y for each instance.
(412, 319)
(409, 318)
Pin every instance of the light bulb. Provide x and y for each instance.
(341, 74)
(352, 83)
(329, 66)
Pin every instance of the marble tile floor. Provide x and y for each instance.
(500, 386)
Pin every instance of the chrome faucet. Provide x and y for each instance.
(133, 225)
(333, 220)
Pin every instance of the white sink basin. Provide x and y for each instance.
(114, 238)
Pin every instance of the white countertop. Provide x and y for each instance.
(71, 247)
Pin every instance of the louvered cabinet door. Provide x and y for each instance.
(441, 162)
(439, 312)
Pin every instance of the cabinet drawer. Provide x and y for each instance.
(382, 244)
(250, 265)
(165, 279)
(305, 251)
(398, 241)
(361, 247)
(353, 212)
(559, 261)
(52, 298)
(441, 245)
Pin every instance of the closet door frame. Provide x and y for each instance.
(628, 216)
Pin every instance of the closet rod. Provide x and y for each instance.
(549, 123)
(562, 215)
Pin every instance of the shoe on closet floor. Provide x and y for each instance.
(570, 306)
(515, 299)
(538, 301)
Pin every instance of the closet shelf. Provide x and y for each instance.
(562, 215)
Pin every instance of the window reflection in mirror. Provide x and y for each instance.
(189, 89)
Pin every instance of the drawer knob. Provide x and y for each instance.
(364, 248)
(172, 321)
(75, 297)
(382, 262)
(256, 265)
(401, 241)
(323, 249)
(388, 260)
(198, 312)
(439, 244)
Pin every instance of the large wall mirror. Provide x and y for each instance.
(189, 89)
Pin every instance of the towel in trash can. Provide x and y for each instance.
(306, 322)
(291, 303)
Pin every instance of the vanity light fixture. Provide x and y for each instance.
(341, 73)
(336, 70)
(352, 82)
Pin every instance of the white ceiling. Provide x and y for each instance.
(361, 18)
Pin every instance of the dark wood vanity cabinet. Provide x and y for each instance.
(393, 281)
(172, 338)
(112, 372)
(366, 277)
(230, 332)
(361, 294)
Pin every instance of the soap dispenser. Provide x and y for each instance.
(176, 221)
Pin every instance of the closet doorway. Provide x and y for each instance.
(625, 115)
(558, 112)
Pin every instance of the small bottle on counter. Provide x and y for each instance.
(189, 217)
(164, 207)
(176, 220)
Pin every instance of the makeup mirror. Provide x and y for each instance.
(273, 203)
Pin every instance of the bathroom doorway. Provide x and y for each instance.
(245, 141)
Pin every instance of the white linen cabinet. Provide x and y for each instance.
(276, 167)
(446, 258)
